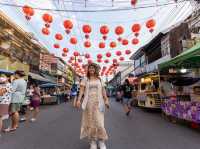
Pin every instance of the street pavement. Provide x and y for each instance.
(58, 127)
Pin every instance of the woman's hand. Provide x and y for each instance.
(78, 104)
(107, 104)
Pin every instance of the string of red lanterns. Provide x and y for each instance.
(87, 29)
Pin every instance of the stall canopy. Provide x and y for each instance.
(49, 85)
(187, 59)
(39, 77)
(6, 71)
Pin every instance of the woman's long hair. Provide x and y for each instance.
(96, 73)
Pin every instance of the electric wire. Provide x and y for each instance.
(99, 10)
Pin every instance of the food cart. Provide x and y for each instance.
(50, 93)
(185, 105)
(148, 94)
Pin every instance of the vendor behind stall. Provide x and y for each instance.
(165, 88)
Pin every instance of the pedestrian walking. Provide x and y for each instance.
(35, 102)
(18, 96)
(93, 105)
(127, 95)
(33, 107)
(73, 94)
(5, 98)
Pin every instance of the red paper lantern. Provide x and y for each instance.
(119, 30)
(99, 56)
(114, 61)
(118, 53)
(69, 61)
(59, 36)
(68, 24)
(87, 29)
(99, 60)
(121, 58)
(127, 52)
(45, 31)
(29, 11)
(65, 50)
(124, 42)
(106, 61)
(57, 46)
(72, 58)
(87, 55)
(113, 44)
(150, 23)
(104, 30)
(87, 44)
(76, 53)
(102, 45)
(47, 18)
(133, 2)
(135, 41)
(136, 28)
(108, 54)
(73, 40)
(90, 61)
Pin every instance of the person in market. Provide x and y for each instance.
(93, 104)
(119, 94)
(165, 88)
(29, 94)
(18, 95)
(35, 99)
(127, 89)
(35, 102)
(5, 98)
(73, 94)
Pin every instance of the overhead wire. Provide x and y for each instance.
(98, 10)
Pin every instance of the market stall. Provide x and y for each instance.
(148, 94)
(51, 93)
(184, 103)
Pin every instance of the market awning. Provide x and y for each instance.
(187, 59)
(39, 77)
(52, 78)
(6, 71)
(50, 85)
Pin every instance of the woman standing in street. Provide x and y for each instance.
(5, 98)
(93, 105)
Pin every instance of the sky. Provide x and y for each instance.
(165, 16)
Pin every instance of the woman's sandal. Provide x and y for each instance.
(9, 130)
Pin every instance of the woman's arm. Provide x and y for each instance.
(105, 97)
(82, 89)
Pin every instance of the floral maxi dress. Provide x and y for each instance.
(92, 119)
